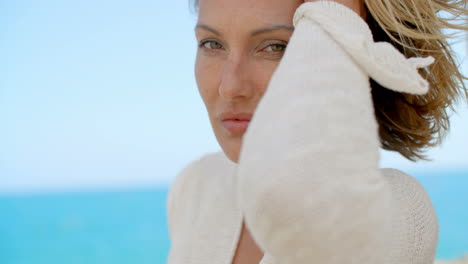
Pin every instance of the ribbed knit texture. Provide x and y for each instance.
(307, 182)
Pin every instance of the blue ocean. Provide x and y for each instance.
(130, 226)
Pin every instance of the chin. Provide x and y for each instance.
(232, 149)
(233, 155)
(232, 159)
(231, 145)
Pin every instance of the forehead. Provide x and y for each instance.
(225, 14)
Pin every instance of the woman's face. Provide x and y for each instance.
(241, 44)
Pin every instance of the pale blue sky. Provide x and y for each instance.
(102, 94)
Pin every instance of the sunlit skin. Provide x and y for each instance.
(233, 68)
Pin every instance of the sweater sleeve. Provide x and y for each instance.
(308, 181)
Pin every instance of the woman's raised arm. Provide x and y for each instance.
(308, 181)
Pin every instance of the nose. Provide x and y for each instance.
(235, 80)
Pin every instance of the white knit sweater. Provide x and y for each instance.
(308, 183)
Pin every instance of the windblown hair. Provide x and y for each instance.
(409, 124)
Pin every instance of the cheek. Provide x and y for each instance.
(207, 78)
(263, 71)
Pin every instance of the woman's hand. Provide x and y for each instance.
(356, 5)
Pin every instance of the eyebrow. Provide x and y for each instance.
(253, 33)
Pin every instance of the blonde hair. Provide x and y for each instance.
(409, 123)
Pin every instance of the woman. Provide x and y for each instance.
(300, 128)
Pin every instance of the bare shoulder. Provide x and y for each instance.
(414, 219)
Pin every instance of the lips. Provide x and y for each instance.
(235, 122)
(235, 116)
(236, 126)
